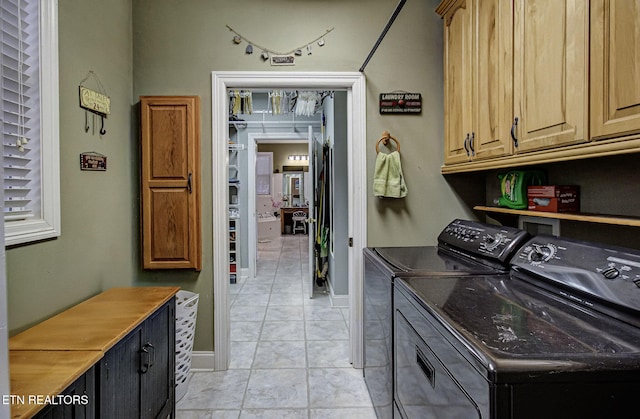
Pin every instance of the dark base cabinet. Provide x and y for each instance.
(122, 346)
(136, 378)
(78, 401)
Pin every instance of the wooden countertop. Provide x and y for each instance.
(38, 374)
(45, 359)
(97, 323)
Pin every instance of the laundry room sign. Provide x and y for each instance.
(405, 103)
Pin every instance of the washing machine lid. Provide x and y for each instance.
(430, 260)
(513, 325)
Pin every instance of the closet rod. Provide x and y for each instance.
(267, 112)
(384, 32)
(274, 123)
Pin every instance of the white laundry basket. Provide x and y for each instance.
(186, 313)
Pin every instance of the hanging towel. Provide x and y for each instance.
(388, 180)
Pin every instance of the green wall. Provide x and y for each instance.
(165, 47)
(99, 210)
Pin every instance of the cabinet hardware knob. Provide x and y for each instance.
(153, 354)
(513, 132)
(147, 359)
(466, 147)
(144, 363)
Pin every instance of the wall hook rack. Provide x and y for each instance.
(96, 102)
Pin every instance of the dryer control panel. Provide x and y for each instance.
(484, 240)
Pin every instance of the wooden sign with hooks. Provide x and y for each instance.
(98, 103)
(94, 101)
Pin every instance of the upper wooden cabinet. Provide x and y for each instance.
(550, 76)
(615, 68)
(170, 189)
(477, 59)
(492, 81)
(529, 82)
(457, 81)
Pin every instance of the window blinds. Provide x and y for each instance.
(20, 95)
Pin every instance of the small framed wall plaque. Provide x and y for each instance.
(277, 60)
(404, 103)
(93, 161)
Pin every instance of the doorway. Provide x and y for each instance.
(254, 209)
(354, 84)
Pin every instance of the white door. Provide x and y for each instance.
(311, 228)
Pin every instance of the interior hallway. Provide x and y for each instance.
(289, 353)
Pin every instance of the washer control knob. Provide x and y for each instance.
(611, 273)
(491, 242)
(542, 253)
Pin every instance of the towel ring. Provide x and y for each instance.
(386, 136)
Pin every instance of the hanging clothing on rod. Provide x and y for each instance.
(306, 103)
(278, 103)
(240, 101)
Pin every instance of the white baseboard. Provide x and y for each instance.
(337, 301)
(202, 361)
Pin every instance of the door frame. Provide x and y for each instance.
(355, 84)
(254, 139)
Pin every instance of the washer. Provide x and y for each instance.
(557, 337)
(464, 248)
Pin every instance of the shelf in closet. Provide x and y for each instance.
(573, 216)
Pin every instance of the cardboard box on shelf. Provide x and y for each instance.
(554, 198)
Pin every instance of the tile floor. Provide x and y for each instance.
(289, 353)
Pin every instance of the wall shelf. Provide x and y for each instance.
(584, 217)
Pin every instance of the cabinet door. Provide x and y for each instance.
(84, 404)
(457, 80)
(493, 78)
(550, 73)
(170, 189)
(615, 68)
(119, 382)
(158, 364)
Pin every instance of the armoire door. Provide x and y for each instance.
(170, 187)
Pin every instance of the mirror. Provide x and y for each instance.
(293, 189)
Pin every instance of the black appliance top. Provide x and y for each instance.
(432, 260)
(510, 326)
(567, 305)
(594, 275)
(463, 247)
